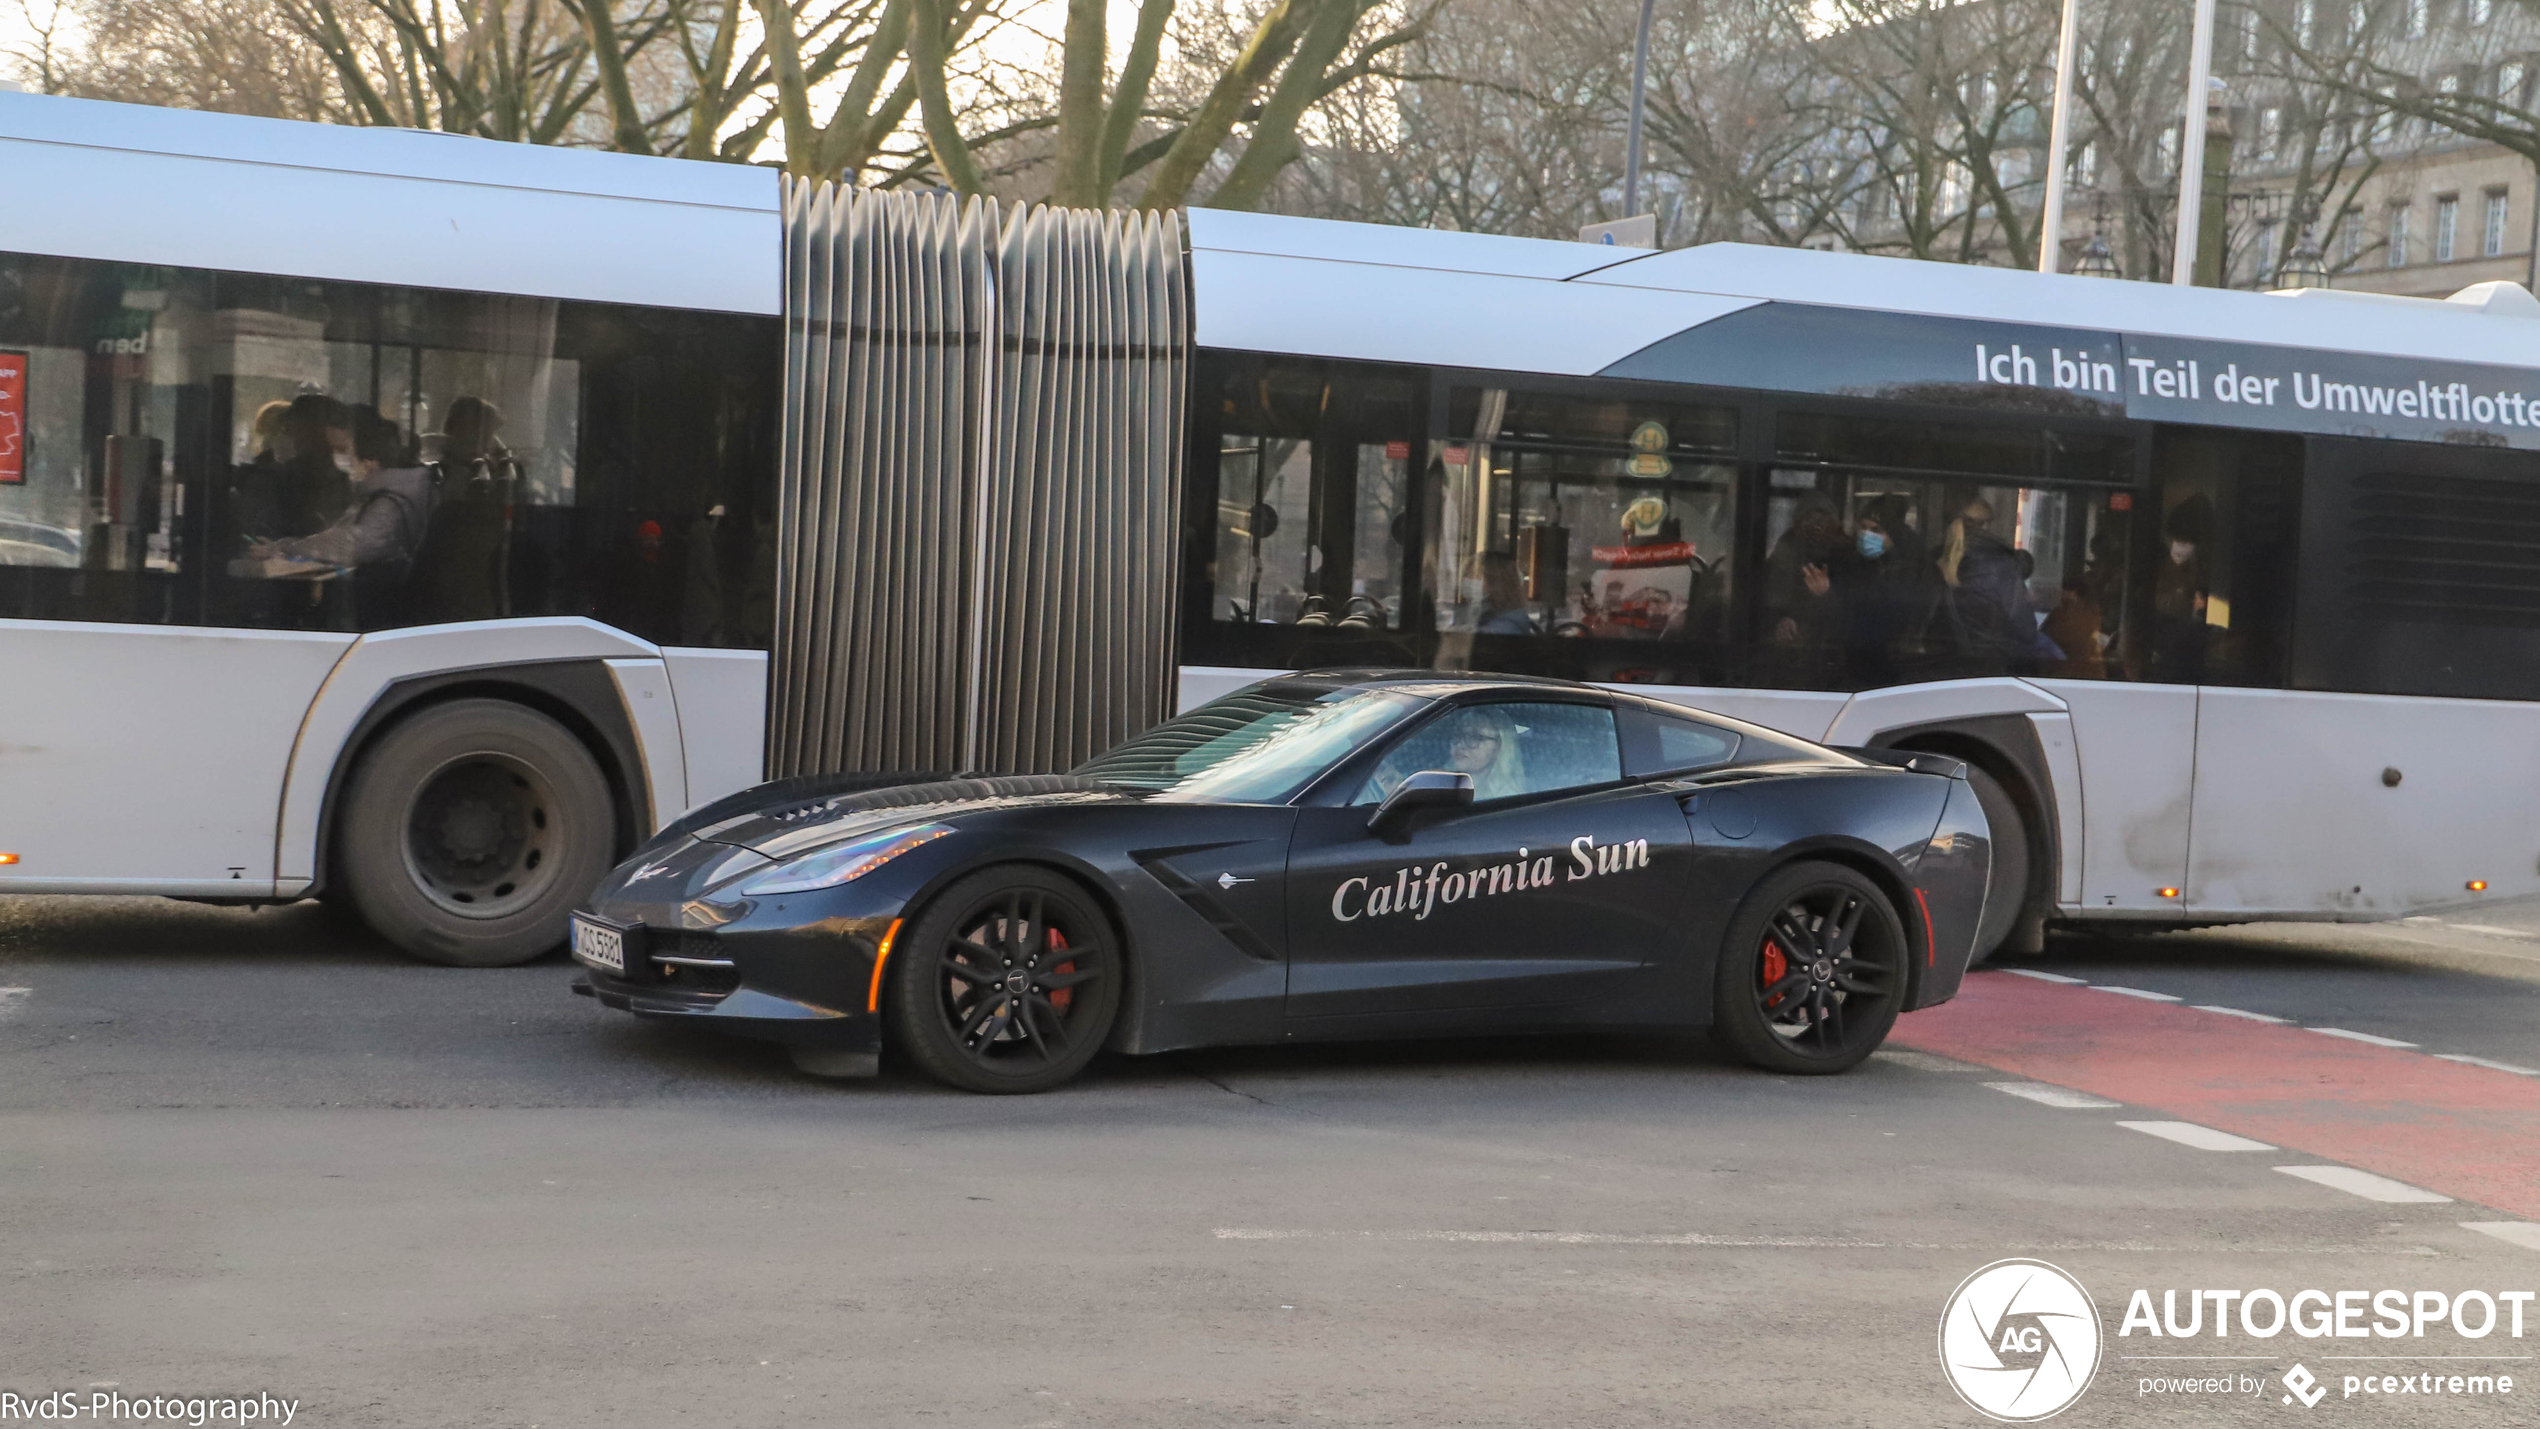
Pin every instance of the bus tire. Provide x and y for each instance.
(2006, 894)
(470, 831)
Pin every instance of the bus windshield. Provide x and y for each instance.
(1256, 746)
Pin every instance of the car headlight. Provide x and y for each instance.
(843, 863)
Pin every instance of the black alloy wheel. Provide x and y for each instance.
(1813, 971)
(1008, 982)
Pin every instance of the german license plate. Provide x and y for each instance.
(600, 947)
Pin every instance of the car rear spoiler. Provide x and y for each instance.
(1920, 761)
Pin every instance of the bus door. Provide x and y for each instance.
(2367, 733)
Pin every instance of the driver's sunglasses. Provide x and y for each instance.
(1477, 736)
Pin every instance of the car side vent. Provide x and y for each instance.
(2445, 550)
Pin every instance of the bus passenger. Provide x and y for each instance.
(1800, 603)
(1883, 582)
(1988, 612)
(2179, 629)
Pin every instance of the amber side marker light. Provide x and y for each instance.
(2478, 885)
(8, 858)
(2167, 892)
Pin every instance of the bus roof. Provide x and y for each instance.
(1541, 305)
(140, 184)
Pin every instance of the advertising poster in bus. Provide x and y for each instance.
(13, 418)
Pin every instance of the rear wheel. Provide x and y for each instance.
(2006, 892)
(1008, 982)
(1812, 973)
(469, 831)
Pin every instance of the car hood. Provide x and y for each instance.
(789, 826)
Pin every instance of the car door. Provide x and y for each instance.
(1556, 887)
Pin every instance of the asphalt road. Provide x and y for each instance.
(256, 1151)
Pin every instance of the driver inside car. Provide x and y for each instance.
(1481, 741)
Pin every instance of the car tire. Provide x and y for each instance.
(2006, 890)
(1030, 1020)
(1775, 1007)
(471, 829)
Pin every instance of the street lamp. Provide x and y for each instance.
(2096, 261)
(2304, 267)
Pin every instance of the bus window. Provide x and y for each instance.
(259, 452)
(1584, 536)
(1311, 523)
(2222, 590)
(1877, 573)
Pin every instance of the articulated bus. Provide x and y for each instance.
(390, 517)
(384, 515)
(2231, 599)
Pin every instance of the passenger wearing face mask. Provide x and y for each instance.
(1884, 589)
(2180, 595)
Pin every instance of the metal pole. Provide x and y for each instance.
(1631, 138)
(2191, 147)
(2050, 224)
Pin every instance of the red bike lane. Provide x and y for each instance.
(2468, 1132)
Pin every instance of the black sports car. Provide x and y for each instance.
(1324, 855)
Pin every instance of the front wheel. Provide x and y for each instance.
(1008, 982)
(1812, 972)
(469, 831)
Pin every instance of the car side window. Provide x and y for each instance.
(1509, 749)
(1655, 743)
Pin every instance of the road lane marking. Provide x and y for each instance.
(2359, 1037)
(1922, 1061)
(2489, 930)
(2467, 1060)
(2456, 1129)
(2144, 993)
(2046, 1094)
(2365, 1184)
(2521, 1233)
(2048, 977)
(13, 998)
(2203, 1138)
(1730, 1242)
(2251, 1016)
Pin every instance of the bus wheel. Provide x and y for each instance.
(2006, 896)
(471, 829)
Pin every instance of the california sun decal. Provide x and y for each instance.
(1421, 891)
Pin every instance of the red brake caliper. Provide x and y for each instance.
(1060, 997)
(1776, 967)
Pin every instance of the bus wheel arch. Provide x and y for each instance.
(499, 759)
(2003, 751)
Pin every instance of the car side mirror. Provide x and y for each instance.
(1429, 789)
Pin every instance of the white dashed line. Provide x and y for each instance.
(2047, 977)
(2250, 1016)
(2147, 996)
(2363, 1183)
(1922, 1061)
(2359, 1037)
(2045, 1094)
(2188, 1133)
(2521, 1233)
(2467, 1060)
(2490, 931)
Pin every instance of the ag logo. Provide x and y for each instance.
(2019, 1341)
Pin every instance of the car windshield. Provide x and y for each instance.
(1256, 746)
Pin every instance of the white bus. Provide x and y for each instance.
(2234, 597)
(384, 515)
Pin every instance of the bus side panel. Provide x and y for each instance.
(652, 712)
(383, 659)
(2295, 814)
(722, 719)
(146, 758)
(2137, 748)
